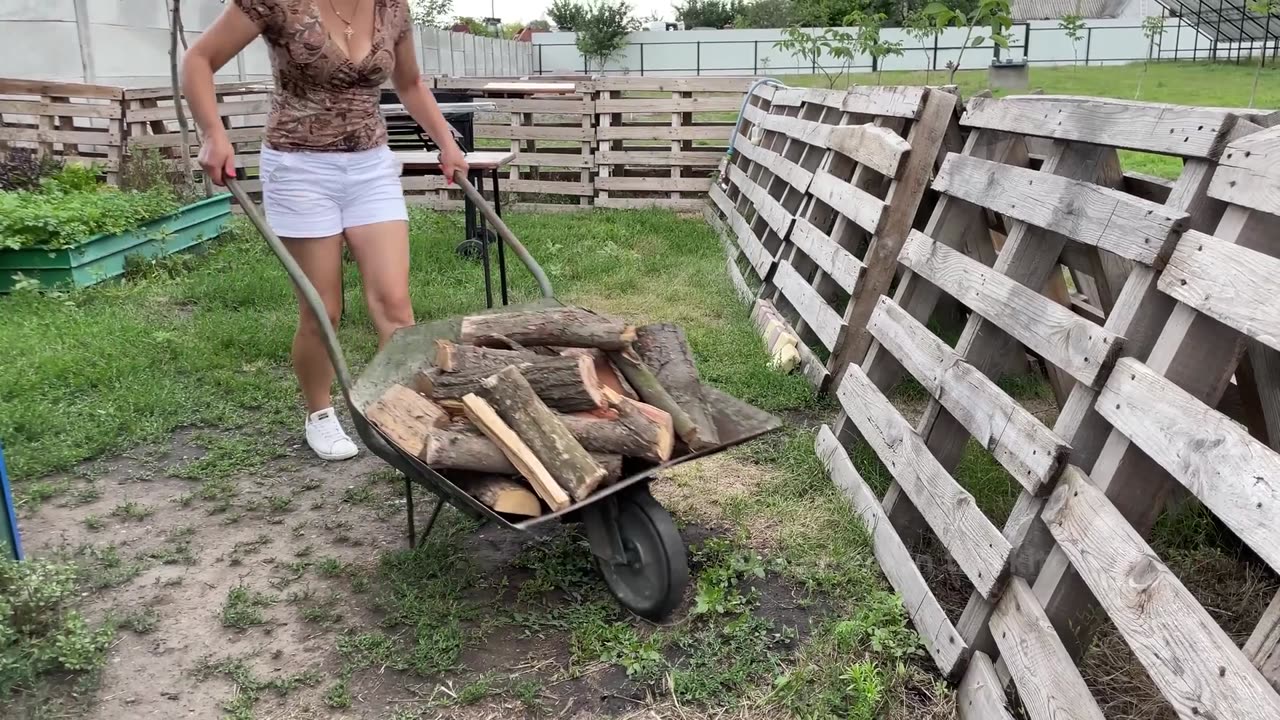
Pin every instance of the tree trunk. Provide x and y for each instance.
(570, 327)
(406, 418)
(451, 357)
(567, 384)
(663, 348)
(503, 495)
(175, 30)
(515, 401)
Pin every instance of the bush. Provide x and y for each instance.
(56, 218)
(38, 633)
(22, 168)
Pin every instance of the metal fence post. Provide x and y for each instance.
(641, 59)
(755, 57)
(698, 49)
(8, 518)
(1088, 45)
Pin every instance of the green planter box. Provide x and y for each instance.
(104, 256)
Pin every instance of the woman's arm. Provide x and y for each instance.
(417, 99)
(225, 38)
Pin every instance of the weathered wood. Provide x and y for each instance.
(879, 148)
(805, 131)
(899, 101)
(1092, 214)
(1048, 682)
(1074, 344)
(514, 400)
(517, 452)
(664, 349)
(1150, 127)
(1232, 284)
(504, 495)
(1233, 474)
(766, 206)
(640, 430)
(759, 257)
(567, 384)
(1032, 453)
(61, 109)
(860, 206)
(650, 390)
(940, 638)
(779, 335)
(570, 327)
(644, 184)
(705, 103)
(663, 132)
(606, 373)
(1197, 667)
(451, 357)
(664, 158)
(406, 417)
(825, 322)
(838, 263)
(981, 694)
(1247, 174)
(976, 545)
(797, 177)
(1263, 646)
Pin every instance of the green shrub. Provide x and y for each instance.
(57, 218)
(38, 632)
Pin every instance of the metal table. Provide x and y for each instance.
(478, 237)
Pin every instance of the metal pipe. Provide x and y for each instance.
(746, 99)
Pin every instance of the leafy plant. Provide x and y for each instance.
(146, 169)
(1261, 8)
(991, 14)
(429, 12)
(865, 690)
(56, 219)
(920, 27)
(602, 31)
(243, 607)
(868, 41)
(812, 45)
(715, 14)
(1152, 28)
(23, 168)
(765, 14)
(1073, 26)
(567, 15)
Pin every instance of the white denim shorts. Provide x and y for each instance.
(318, 194)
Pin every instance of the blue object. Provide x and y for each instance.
(9, 519)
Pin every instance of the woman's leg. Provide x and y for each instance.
(321, 260)
(381, 250)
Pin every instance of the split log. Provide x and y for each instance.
(451, 358)
(504, 495)
(664, 349)
(465, 447)
(652, 392)
(569, 327)
(608, 374)
(515, 401)
(406, 417)
(567, 384)
(641, 431)
(520, 455)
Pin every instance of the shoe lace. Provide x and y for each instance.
(329, 431)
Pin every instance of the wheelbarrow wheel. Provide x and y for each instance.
(651, 582)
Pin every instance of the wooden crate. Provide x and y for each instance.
(659, 140)
(820, 192)
(75, 122)
(996, 240)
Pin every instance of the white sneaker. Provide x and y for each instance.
(327, 438)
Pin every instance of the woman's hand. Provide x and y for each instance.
(452, 160)
(218, 158)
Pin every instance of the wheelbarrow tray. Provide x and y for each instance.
(410, 350)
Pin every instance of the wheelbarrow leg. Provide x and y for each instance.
(414, 540)
(431, 520)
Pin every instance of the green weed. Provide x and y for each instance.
(243, 607)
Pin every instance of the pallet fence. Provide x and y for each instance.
(72, 121)
(1141, 350)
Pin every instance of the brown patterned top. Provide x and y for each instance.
(322, 100)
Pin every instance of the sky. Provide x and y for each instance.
(526, 10)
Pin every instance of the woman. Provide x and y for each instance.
(327, 174)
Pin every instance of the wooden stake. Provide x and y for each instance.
(485, 418)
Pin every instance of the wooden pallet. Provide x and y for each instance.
(74, 122)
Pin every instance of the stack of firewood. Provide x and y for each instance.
(533, 411)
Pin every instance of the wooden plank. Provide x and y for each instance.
(166, 92)
(1147, 187)
(1232, 473)
(1065, 339)
(805, 131)
(797, 97)
(174, 139)
(66, 137)
(225, 109)
(754, 115)
(534, 132)
(1249, 172)
(795, 176)
(777, 217)
(665, 132)
(549, 187)
(706, 103)
(552, 159)
(936, 631)
(757, 255)
(818, 315)
(702, 83)
(493, 427)
(981, 694)
(1150, 127)
(1196, 666)
(659, 158)
(839, 264)
(890, 101)
(1263, 646)
(691, 205)
(1235, 285)
(23, 107)
(863, 208)
(879, 148)
(17, 86)
(1100, 216)
(1032, 453)
(642, 184)
(976, 545)
(739, 282)
(571, 105)
(1049, 684)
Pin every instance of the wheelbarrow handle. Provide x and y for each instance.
(544, 285)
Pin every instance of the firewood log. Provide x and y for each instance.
(652, 392)
(451, 358)
(608, 374)
(504, 495)
(665, 350)
(640, 431)
(569, 327)
(520, 455)
(406, 417)
(568, 384)
(466, 447)
(545, 434)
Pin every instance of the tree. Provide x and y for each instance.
(920, 27)
(706, 13)
(868, 41)
(603, 30)
(765, 14)
(812, 45)
(1262, 8)
(539, 26)
(511, 30)
(1073, 26)
(429, 12)
(1152, 28)
(991, 14)
(474, 26)
(567, 14)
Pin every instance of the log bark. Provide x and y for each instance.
(641, 431)
(521, 456)
(569, 327)
(454, 358)
(545, 434)
(504, 495)
(652, 392)
(605, 371)
(465, 447)
(406, 417)
(567, 384)
(664, 348)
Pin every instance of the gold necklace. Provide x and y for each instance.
(348, 32)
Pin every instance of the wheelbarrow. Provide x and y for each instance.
(637, 547)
